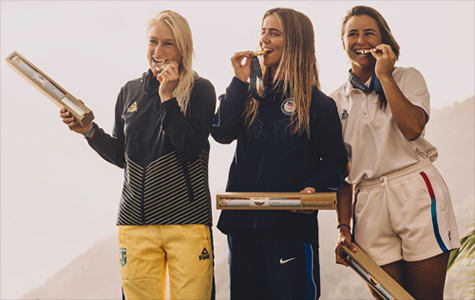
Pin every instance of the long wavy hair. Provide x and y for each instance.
(297, 68)
(386, 34)
(182, 32)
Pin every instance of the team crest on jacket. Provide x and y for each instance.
(288, 106)
(133, 107)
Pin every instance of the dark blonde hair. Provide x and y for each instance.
(297, 68)
(386, 35)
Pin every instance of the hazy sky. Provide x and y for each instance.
(58, 197)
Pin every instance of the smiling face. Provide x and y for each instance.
(272, 39)
(161, 46)
(361, 33)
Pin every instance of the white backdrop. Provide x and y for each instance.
(58, 197)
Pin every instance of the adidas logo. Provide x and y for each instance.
(205, 254)
(133, 107)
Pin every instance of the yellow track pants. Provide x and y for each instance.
(146, 251)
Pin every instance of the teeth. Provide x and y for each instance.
(161, 64)
(363, 51)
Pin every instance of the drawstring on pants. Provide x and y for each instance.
(384, 179)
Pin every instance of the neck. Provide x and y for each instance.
(362, 74)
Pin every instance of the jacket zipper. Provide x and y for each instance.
(142, 198)
(189, 186)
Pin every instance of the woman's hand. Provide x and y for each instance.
(410, 119)
(344, 197)
(385, 60)
(344, 239)
(242, 71)
(73, 125)
(168, 78)
(307, 190)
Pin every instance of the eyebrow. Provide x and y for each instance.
(272, 30)
(366, 30)
(167, 40)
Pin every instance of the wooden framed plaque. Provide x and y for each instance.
(49, 88)
(276, 201)
(376, 277)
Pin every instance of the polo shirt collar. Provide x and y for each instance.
(374, 84)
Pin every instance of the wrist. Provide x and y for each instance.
(89, 132)
(165, 98)
(344, 226)
(385, 77)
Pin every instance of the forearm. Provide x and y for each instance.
(344, 197)
(189, 134)
(410, 119)
(230, 111)
(109, 148)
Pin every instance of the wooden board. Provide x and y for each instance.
(276, 201)
(376, 277)
(49, 88)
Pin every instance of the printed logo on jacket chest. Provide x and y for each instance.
(288, 106)
(133, 107)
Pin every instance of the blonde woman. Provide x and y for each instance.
(288, 141)
(160, 138)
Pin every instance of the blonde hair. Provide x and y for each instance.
(182, 32)
(297, 68)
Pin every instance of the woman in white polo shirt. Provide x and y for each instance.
(402, 212)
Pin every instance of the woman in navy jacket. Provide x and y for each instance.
(288, 141)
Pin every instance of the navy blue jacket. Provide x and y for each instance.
(269, 158)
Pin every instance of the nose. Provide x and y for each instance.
(361, 39)
(264, 38)
(158, 49)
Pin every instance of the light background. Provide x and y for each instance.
(58, 197)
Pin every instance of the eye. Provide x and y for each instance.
(152, 41)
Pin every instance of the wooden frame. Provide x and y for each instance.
(276, 201)
(376, 277)
(49, 88)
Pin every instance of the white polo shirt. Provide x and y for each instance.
(374, 143)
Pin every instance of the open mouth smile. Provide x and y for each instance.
(363, 51)
(160, 64)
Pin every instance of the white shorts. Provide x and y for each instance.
(405, 215)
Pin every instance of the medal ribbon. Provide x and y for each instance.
(375, 84)
(256, 78)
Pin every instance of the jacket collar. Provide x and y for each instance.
(150, 82)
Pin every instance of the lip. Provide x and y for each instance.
(159, 60)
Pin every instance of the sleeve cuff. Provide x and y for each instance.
(171, 104)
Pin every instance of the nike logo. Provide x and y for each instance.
(287, 260)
